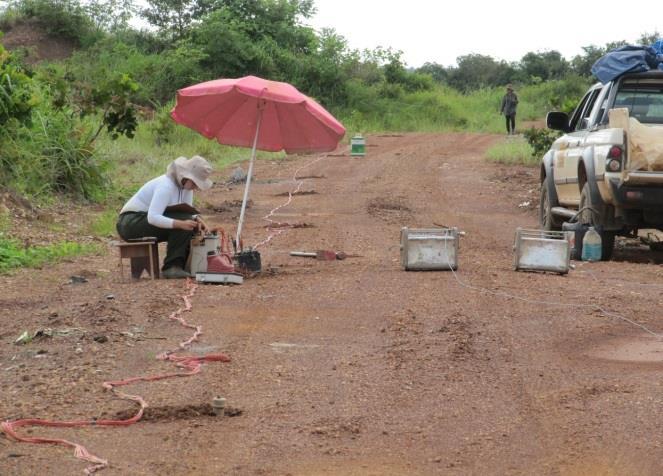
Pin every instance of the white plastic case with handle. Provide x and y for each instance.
(429, 249)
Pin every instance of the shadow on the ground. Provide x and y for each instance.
(637, 254)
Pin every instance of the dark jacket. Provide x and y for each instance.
(509, 104)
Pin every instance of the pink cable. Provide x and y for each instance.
(191, 365)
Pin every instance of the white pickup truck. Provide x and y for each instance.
(607, 168)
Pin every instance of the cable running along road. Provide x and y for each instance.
(189, 365)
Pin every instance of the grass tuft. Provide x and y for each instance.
(104, 223)
(512, 151)
(14, 255)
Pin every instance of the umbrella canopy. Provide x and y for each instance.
(257, 113)
(227, 110)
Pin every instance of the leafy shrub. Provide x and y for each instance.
(17, 96)
(163, 125)
(418, 82)
(113, 97)
(391, 90)
(159, 75)
(174, 69)
(540, 140)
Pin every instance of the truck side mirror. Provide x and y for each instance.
(558, 121)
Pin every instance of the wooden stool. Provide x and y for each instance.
(143, 254)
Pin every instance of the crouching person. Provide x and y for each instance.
(147, 213)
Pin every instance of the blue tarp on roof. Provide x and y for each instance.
(628, 59)
(658, 47)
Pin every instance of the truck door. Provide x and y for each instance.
(569, 149)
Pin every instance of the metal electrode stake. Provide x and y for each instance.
(218, 405)
(261, 106)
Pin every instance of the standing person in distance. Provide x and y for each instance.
(508, 108)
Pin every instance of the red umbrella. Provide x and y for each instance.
(254, 112)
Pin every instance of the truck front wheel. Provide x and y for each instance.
(547, 220)
(590, 213)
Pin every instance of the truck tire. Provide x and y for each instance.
(590, 213)
(547, 220)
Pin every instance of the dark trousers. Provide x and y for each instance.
(132, 225)
(510, 123)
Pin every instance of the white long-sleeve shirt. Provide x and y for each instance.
(155, 196)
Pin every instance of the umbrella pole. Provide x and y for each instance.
(248, 179)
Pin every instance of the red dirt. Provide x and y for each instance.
(353, 367)
(38, 44)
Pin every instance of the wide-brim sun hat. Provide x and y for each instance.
(196, 169)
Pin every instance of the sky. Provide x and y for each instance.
(440, 31)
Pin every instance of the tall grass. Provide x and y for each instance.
(103, 224)
(134, 161)
(445, 109)
(51, 154)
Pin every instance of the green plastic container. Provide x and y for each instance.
(358, 146)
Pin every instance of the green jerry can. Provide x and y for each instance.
(358, 146)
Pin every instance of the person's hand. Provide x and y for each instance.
(188, 225)
(203, 226)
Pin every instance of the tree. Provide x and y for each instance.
(648, 39)
(263, 37)
(613, 45)
(171, 16)
(276, 19)
(544, 65)
(477, 71)
(582, 64)
(438, 72)
(325, 73)
(111, 15)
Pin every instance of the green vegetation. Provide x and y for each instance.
(14, 255)
(513, 150)
(540, 140)
(104, 223)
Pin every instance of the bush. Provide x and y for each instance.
(17, 96)
(540, 140)
(163, 126)
(54, 154)
(159, 75)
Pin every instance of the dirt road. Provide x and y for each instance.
(355, 367)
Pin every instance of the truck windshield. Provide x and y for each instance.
(645, 103)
